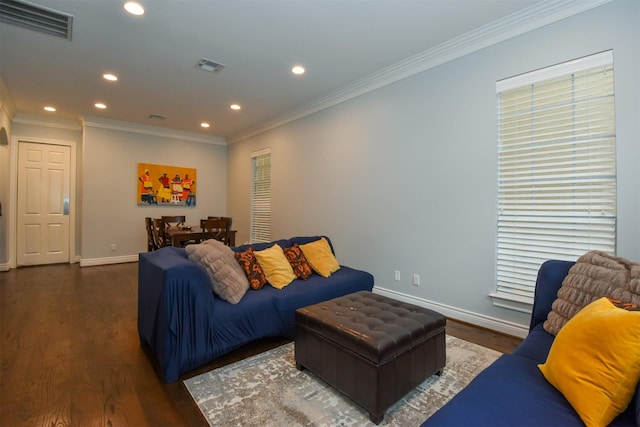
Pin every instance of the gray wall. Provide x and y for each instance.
(110, 213)
(107, 157)
(404, 178)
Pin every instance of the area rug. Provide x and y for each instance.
(268, 390)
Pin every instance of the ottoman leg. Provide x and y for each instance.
(376, 418)
(299, 367)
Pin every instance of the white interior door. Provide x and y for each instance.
(43, 203)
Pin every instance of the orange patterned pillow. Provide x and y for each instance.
(249, 263)
(298, 262)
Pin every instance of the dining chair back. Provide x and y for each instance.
(167, 222)
(228, 218)
(218, 229)
(153, 238)
(173, 221)
(161, 239)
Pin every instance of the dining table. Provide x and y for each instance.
(192, 234)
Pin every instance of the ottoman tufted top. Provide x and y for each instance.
(374, 326)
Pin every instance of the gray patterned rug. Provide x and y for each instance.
(268, 390)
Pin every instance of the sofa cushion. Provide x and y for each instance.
(283, 243)
(510, 392)
(251, 267)
(275, 266)
(298, 262)
(227, 278)
(320, 257)
(594, 275)
(536, 346)
(317, 288)
(605, 340)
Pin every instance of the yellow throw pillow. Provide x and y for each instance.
(320, 257)
(275, 266)
(594, 361)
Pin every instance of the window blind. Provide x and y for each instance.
(556, 170)
(261, 196)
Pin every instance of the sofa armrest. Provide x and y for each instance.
(549, 281)
(174, 298)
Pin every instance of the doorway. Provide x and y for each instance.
(43, 217)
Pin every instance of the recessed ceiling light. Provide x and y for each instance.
(134, 8)
(100, 105)
(110, 77)
(298, 69)
(50, 109)
(205, 124)
(235, 107)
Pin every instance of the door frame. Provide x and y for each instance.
(12, 219)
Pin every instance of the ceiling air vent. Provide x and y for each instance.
(209, 65)
(34, 17)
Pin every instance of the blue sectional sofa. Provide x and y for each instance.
(186, 325)
(512, 391)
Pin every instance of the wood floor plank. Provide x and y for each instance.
(70, 353)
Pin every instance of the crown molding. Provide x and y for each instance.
(28, 119)
(529, 19)
(98, 122)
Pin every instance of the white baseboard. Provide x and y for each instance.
(108, 260)
(74, 260)
(488, 322)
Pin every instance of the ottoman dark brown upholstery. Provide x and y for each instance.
(371, 348)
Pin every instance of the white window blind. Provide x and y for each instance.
(556, 171)
(261, 196)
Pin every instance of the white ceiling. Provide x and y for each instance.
(338, 41)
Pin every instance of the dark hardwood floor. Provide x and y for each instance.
(70, 354)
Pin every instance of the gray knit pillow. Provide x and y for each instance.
(227, 278)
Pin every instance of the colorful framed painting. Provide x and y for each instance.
(166, 185)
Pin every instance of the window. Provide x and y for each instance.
(261, 196)
(556, 171)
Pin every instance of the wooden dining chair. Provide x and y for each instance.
(231, 234)
(160, 236)
(167, 222)
(228, 218)
(153, 238)
(173, 221)
(218, 229)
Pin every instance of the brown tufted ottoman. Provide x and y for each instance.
(371, 348)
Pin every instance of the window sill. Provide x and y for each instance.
(511, 302)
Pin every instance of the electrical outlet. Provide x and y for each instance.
(416, 279)
(397, 276)
(113, 246)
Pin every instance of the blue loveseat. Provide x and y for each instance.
(186, 325)
(512, 391)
